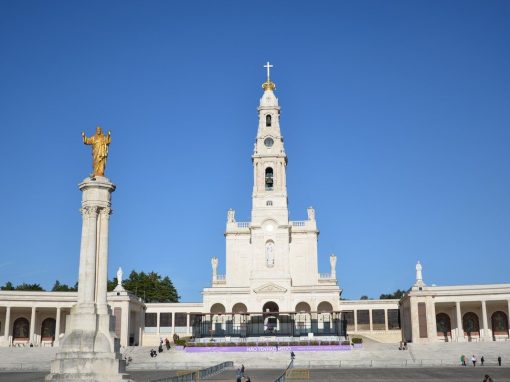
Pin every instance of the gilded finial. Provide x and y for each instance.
(268, 85)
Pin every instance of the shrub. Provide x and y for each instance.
(182, 342)
(345, 343)
(357, 340)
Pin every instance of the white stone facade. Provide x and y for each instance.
(270, 258)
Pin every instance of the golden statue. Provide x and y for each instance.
(99, 144)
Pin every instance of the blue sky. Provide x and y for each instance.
(395, 115)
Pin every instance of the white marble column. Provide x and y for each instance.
(57, 327)
(370, 320)
(460, 330)
(88, 282)
(386, 319)
(355, 321)
(158, 321)
(7, 328)
(102, 266)
(188, 331)
(173, 323)
(32, 326)
(485, 333)
(431, 319)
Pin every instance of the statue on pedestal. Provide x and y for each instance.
(99, 144)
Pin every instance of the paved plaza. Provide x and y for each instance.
(468, 374)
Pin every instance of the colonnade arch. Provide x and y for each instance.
(48, 329)
(499, 322)
(20, 328)
(471, 324)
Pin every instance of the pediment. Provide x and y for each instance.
(270, 288)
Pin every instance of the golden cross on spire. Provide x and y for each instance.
(268, 66)
(268, 85)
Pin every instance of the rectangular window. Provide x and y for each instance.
(422, 319)
(151, 323)
(363, 320)
(165, 320)
(180, 319)
(378, 322)
(349, 319)
(393, 319)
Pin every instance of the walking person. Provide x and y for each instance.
(499, 360)
(238, 375)
(482, 360)
(292, 356)
(473, 359)
(463, 360)
(487, 378)
(242, 371)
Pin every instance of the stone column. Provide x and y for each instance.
(89, 350)
(32, 326)
(102, 266)
(187, 324)
(57, 327)
(173, 323)
(7, 329)
(370, 320)
(431, 319)
(460, 330)
(415, 322)
(355, 321)
(87, 280)
(158, 322)
(485, 334)
(386, 319)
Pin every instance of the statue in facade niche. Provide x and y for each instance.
(99, 143)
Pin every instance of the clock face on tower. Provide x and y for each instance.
(268, 142)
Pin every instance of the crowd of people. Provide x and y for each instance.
(464, 360)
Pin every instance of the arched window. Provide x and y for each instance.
(269, 179)
(270, 307)
(471, 324)
(499, 323)
(217, 309)
(444, 326)
(325, 307)
(268, 120)
(20, 329)
(269, 203)
(48, 328)
(239, 308)
(303, 307)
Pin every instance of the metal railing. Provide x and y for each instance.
(281, 378)
(196, 375)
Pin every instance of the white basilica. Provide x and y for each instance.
(272, 285)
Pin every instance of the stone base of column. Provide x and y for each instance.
(90, 351)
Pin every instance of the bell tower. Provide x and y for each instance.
(269, 199)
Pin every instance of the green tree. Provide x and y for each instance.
(8, 286)
(57, 287)
(364, 297)
(398, 294)
(29, 287)
(150, 287)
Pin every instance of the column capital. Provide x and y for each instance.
(106, 211)
(89, 211)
